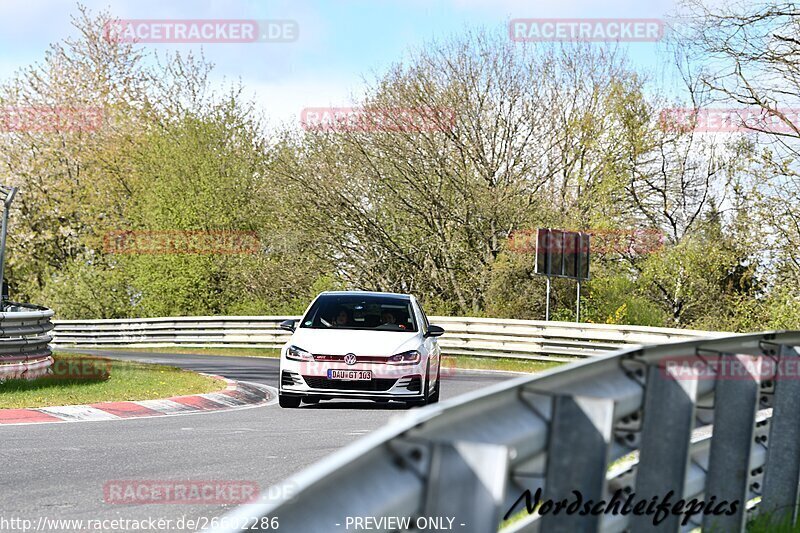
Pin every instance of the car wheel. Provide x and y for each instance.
(434, 397)
(288, 402)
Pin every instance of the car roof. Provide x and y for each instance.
(367, 293)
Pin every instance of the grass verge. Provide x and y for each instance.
(80, 379)
(237, 352)
(508, 364)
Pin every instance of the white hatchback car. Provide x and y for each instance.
(363, 345)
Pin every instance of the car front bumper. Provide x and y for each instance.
(400, 382)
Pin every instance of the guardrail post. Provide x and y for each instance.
(467, 482)
(735, 407)
(666, 432)
(577, 458)
(782, 471)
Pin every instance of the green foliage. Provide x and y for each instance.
(616, 299)
(170, 156)
(514, 291)
(517, 138)
(783, 309)
(89, 288)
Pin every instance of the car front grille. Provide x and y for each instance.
(321, 382)
(361, 358)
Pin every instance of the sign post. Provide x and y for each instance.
(547, 305)
(7, 194)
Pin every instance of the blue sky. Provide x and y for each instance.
(341, 43)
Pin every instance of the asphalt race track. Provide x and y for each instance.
(58, 471)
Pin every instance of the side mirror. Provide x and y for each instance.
(288, 325)
(434, 331)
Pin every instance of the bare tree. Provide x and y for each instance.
(748, 56)
(511, 134)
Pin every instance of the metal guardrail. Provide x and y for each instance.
(633, 421)
(482, 337)
(24, 350)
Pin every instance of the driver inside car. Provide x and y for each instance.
(342, 317)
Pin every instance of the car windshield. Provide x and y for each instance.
(380, 313)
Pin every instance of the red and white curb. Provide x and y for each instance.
(237, 395)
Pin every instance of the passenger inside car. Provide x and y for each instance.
(388, 318)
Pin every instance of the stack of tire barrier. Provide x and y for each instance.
(24, 342)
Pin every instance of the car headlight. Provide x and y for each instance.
(298, 354)
(406, 358)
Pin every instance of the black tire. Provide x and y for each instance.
(288, 402)
(434, 397)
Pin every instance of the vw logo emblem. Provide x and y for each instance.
(350, 359)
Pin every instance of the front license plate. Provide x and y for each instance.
(350, 375)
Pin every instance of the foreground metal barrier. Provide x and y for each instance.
(480, 337)
(24, 351)
(706, 422)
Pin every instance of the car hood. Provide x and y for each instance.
(340, 342)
